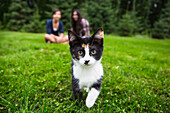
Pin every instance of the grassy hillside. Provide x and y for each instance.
(36, 77)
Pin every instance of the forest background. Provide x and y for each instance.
(122, 17)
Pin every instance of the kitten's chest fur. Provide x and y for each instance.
(87, 76)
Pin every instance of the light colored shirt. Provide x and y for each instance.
(86, 27)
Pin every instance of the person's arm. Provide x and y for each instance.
(86, 30)
(61, 30)
(61, 35)
(48, 27)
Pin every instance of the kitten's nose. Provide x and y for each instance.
(86, 62)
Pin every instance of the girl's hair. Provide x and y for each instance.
(55, 10)
(76, 25)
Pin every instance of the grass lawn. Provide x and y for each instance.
(36, 77)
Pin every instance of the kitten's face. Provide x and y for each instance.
(86, 51)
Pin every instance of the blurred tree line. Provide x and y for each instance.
(124, 17)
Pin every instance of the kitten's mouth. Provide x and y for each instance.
(87, 65)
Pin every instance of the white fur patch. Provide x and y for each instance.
(86, 89)
(91, 97)
(87, 75)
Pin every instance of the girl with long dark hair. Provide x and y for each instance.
(79, 24)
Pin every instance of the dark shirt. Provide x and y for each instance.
(50, 30)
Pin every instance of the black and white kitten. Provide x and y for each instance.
(87, 70)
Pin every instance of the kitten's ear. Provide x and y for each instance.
(98, 36)
(72, 36)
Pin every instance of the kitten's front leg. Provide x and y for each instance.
(93, 93)
(91, 97)
(78, 96)
(77, 93)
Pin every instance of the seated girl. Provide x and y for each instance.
(55, 29)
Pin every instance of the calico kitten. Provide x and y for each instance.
(87, 70)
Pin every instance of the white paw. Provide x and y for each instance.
(86, 89)
(89, 104)
(91, 97)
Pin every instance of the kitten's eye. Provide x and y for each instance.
(93, 52)
(80, 52)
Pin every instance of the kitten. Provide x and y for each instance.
(87, 70)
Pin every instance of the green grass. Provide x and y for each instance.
(36, 77)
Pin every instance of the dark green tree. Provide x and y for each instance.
(4, 7)
(116, 13)
(127, 25)
(19, 15)
(162, 26)
(46, 7)
(35, 25)
(141, 8)
(99, 14)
